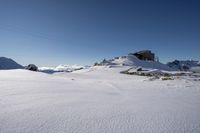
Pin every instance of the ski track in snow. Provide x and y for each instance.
(99, 100)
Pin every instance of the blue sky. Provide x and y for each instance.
(52, 32)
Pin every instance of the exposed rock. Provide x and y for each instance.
(32, 67)
(154, 72)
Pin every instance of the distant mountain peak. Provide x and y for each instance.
(183, 65)
(8, 63)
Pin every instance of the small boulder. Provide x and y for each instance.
(166, 78)
(139, 69)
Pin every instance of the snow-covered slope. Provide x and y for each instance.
(6, 63)
(133, 61)
(195, 69)
(97, 100)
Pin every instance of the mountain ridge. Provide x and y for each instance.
(8, 63)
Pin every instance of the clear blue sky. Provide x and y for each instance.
(52, 32)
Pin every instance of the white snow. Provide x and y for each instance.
(68, 67)
(61, 68)
(132, 60)
(195, 69)
(97, 100)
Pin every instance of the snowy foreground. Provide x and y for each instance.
(97, 100)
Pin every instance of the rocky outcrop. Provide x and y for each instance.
(32, 67)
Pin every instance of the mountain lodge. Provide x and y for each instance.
(144, 55)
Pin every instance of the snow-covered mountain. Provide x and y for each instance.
(99, 99)
(133, 61)
(186, 65)
(7, 63)
(129, 60)
(62, 68)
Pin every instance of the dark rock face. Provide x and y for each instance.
(6, 64)
(32, 67)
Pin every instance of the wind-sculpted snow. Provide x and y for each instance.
(97, 100)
